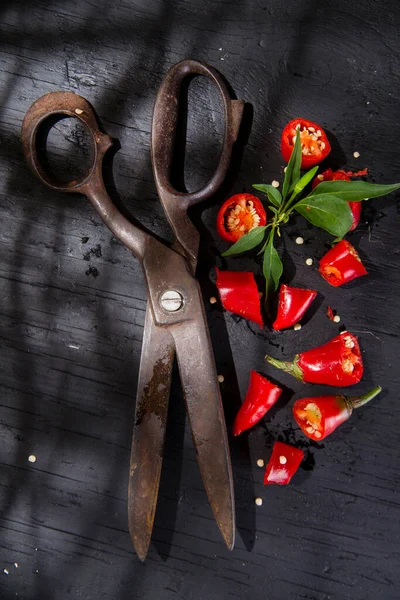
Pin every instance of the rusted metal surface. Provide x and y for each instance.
(165, 269)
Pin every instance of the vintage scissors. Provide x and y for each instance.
(175, 321)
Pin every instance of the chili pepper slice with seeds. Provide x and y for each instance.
(283, 464)
(341, 264)
(261, 396)
(239, 294)
(293, 303)
(238, 215)
(315, 145)
(319, 417)
(330, 175)
(337, 363)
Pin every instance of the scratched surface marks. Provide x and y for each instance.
(73, 304)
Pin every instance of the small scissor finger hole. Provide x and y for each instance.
(65, 148)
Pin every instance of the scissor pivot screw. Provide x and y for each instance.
(171, 301)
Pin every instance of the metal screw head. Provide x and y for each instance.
(171, 301)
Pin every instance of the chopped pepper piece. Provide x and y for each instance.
(319, 417)
(238, 215)
(337, 363)
(330, 175)
(261, 396)
(283, 464)
(293, 303)
(239, 294)
(341, 264)
(315, 145)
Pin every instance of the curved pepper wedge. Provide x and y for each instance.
(319, 417)
(292, 305)
(239, 294)
(283, 464)
(315, 145)
(341, 264)
(261, 396)
(337, 363)
(238, 215)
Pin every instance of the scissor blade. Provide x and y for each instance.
(206, 416)
(152, 398)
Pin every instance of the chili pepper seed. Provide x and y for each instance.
(299, 240)
(283, 460)
(213, 300)
(309, 262)
(32, 458)
(258, 501)
(260, 462)
(275, 183)
(297, 327)
(356, 154)
(336, 318)
(6, 572)
(221, 378)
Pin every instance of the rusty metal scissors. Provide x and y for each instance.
(175, 321)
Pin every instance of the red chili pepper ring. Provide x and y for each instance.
(238, 215)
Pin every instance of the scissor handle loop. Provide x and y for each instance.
(63, 104)
(165, 117)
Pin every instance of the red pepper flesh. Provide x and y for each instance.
(293, 303)
(261, 396)
(337, 363)
(319, 417)
(341, 264)
(239, 294)
(330, 175)
(329, 313)
(315, 145)
(238, 215)
(283, 464)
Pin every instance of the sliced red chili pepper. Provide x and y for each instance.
(239, 215)
(293, 303)
(337, 363)
(239, 294)
(341, 264)
(329, 314)
(283, 464)
(315, 145)
(261, 396)
(319, 417)
(330, 175)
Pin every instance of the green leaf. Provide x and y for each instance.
(247, 242)
(274, 210)
(353, 191)
(274, 195)
(305, 180)
(328, 212)
(292, 174)
(272, 266)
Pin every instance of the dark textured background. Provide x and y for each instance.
(72, 309)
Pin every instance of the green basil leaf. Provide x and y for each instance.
(305, 180)
(292, 174)
(247, 242)
(274, 195)
(353, 191)
(274, 210)
(328, 212)
(272, 266)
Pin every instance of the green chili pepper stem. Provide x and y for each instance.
(288, 367)
(357, 401)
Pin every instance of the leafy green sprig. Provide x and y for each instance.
(326, 207)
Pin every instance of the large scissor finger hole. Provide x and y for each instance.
(200, 132)
(65, 148)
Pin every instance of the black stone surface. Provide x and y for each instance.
(73, 301)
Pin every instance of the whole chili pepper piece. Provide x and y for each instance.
(315, 145)
(239, 294)
(341, 264)
(330, 175)
(261, 396)
(337, 363)
(239, 215)
(283, 464)
(293, 303)
(319, 417)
